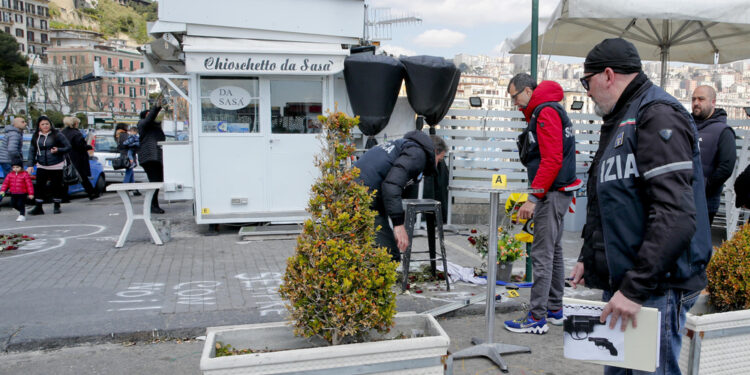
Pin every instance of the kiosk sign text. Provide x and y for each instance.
(265, 64)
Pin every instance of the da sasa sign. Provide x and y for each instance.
(230, 97)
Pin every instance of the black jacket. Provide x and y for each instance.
(121, 148)
(669, 219)
(392, 166)
(150, 133)
(718, 151)
(742, 188)
(39, 150)
(79, 150)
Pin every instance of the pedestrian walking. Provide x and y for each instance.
(47, 152)
(79, 154)
(18, 185)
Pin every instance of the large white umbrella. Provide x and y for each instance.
(705, 32)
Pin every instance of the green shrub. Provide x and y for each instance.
(338, 283)
(54, 10)
(729, 273)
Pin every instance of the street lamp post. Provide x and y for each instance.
(28, 90)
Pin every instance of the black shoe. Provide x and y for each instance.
(57, 208)
(37, 210)
(136, 193)
(94, 196)
(156, 210)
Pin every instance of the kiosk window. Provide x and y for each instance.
(295, 106)
(229, 105)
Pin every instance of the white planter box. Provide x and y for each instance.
(293, 355)
(716, 343)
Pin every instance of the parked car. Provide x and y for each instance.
(97, 178)
(105, 149)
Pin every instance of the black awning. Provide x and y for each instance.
(85, 79)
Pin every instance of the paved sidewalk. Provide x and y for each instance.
(72, 286)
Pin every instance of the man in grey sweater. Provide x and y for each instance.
(12, 143)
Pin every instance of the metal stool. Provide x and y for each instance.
(433, 214)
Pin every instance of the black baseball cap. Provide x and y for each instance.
(615, 53)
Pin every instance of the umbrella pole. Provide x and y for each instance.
(664, 53)
(534, 37)
(664, 59)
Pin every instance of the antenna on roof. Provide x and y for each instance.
(379, 22)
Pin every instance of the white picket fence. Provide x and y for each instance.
(483, 143)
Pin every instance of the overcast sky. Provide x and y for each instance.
(450, 27)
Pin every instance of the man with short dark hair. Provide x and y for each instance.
(547, 150)
(717, 144)
(646, 239)
(389, 168)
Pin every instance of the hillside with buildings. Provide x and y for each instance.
(120, 19)
(62, 40)
(488, 77)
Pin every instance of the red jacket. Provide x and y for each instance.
(19, 183)
(549, 136)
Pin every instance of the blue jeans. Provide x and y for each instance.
(673, 305)
(6, 168)
(129, 176)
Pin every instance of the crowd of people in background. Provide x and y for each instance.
(51, 151)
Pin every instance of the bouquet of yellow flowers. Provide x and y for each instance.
(509, 249)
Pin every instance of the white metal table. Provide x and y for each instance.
(148, 189)
(489, 348)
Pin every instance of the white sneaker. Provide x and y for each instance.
(21, 218)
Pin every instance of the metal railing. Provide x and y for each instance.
(483, 143)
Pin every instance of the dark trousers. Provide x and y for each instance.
(55, 188)
(18, 201)
(87, 185)
(711, 216)
(385, 238)
(155, 172)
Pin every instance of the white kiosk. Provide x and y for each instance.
(259, 73)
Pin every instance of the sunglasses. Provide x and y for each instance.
(514, 96)
(585, 80)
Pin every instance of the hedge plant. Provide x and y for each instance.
(729, 273)
(338, 283)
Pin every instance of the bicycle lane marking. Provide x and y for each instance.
(45, 235)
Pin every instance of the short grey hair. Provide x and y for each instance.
(439, 144)
(521, 81)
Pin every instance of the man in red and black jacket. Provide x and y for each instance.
(547, 149)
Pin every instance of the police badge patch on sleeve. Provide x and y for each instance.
(665, 134)
(619, 139)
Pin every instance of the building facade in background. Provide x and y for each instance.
(73, 53)
(28, 21)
